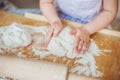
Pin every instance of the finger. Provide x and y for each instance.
(87, 44)
(73, 32)
(56, 31)
(49, 36)
(87, 40)
(80, 46)
(84, 48)
(76, 44)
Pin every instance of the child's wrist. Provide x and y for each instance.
(88, 29)
(56, 22)
(53, 21)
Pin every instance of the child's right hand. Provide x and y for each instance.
(55, 29)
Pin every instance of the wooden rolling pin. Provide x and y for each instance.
(31, 69)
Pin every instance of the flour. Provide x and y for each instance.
(42, 54)
(63, 44)
(3, 77)
(88, 66)
(14, 36)
(20, 54)
(107, 51)
(18, 35)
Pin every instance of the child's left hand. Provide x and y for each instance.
(82, 37)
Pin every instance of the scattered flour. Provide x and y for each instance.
(88, 67)
(106, 50)
(17, 35)
(19, 54)
(42, 54)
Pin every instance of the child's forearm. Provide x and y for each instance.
(49, 10)
(104, 18)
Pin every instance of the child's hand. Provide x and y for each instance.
(55, 29)
(82, 39)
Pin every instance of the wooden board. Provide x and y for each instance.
(109, 63)
(104, 39)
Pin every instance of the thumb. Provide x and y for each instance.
(56, 32)
(48, 36)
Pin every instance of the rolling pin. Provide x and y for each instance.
(32, 69)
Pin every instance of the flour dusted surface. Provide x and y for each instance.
(18, 35)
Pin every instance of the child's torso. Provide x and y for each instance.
(85, 9)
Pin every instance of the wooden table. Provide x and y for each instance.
(109, 63)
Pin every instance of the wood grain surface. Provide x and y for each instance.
(109, 63)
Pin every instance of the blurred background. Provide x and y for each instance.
(34, 4)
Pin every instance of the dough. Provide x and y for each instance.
(63, 45)
(14, 36)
